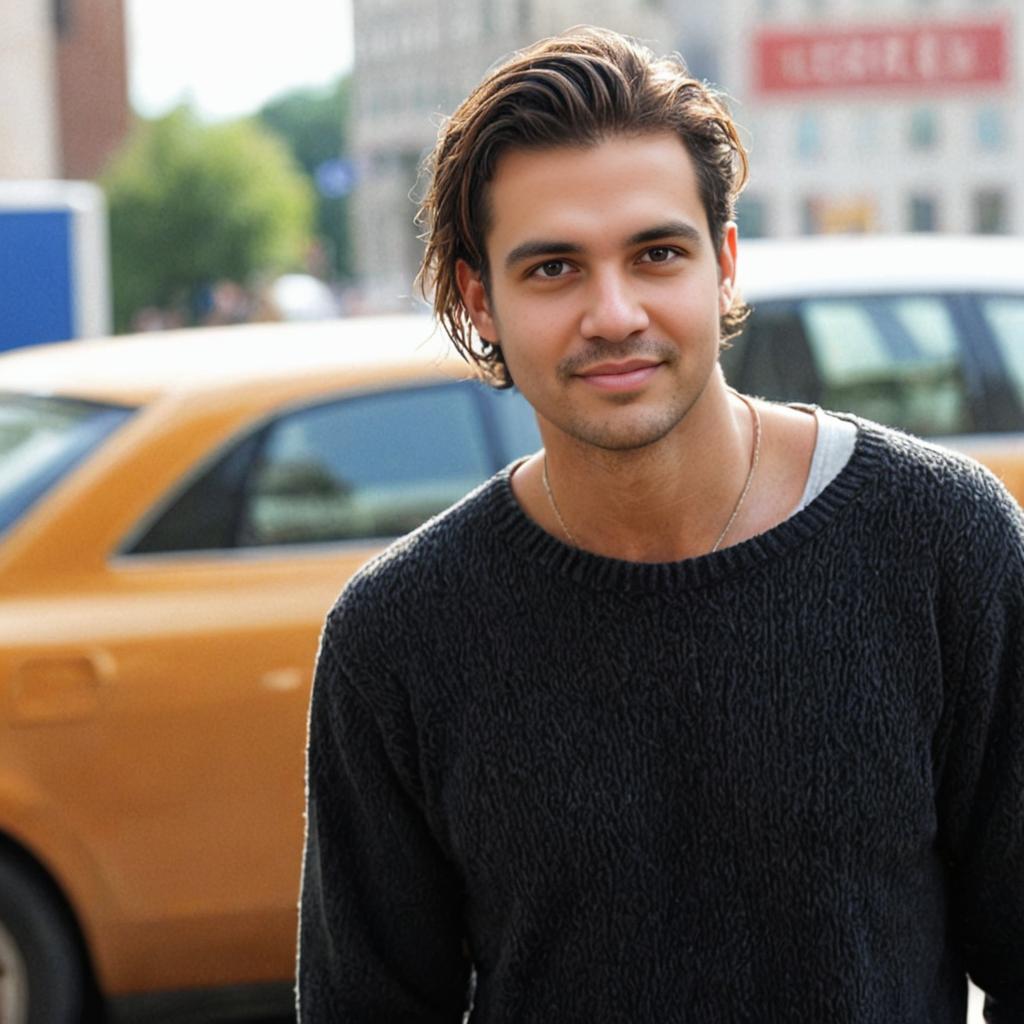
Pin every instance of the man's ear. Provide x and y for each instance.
(475, 301)
(727, 269)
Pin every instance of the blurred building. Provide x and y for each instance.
(415, 60)
(64, 83)
(871, 115)
(861, 115)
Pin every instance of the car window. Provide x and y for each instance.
(206, 516)
(895, 359)
(366, 466)
(1005, 317)
(373, 466)
(41, 440)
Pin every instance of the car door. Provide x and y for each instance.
(221, 594)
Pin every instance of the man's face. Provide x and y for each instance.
(605, 287)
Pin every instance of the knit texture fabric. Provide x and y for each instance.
(781, 782)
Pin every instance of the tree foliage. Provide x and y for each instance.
(191, 204)
(314, 123)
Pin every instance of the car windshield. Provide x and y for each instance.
(41, 440)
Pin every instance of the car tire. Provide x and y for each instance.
(42, 978)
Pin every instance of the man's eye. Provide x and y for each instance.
(660, 254)
(551, 268)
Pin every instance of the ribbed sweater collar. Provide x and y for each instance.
(522, 535)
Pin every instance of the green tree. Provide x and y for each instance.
(191, 204)
(314, 123)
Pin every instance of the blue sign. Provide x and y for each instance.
(335, 178)
(54, 262)
(36, 289)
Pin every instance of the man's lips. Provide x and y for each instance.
(625, 376)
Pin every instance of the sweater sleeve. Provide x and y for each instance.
(983, 797)
(380, 935)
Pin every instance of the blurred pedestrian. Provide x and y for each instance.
(713, 709)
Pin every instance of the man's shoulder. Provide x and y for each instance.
(927, 489)
(932, 471)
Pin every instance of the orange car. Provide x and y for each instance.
(177, 513)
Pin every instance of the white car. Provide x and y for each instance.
(922, 332)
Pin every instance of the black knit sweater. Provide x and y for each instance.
(781, 782)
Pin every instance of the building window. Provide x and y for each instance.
(990, 129)
(808, 136)
(924, 213)
(991, 213)
(751, 217)
(867, 133)
(840, 214)
(924, 129)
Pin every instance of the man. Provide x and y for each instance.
(711, 711)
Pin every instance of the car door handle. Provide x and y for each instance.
(58, 688)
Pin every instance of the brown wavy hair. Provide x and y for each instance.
(575, 89)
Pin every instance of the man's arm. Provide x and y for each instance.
(380, 935)
(982, 801)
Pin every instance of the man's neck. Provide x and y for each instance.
(664, 502)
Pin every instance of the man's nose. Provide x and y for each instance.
(614, 310)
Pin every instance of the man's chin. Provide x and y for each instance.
(621, 437)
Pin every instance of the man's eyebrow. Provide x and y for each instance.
(541, 247)
(670, 229)
(552, 247)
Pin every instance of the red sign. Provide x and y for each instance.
(901, 56)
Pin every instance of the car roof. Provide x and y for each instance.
(866, 264)
(133, 369)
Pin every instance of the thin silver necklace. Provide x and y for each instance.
(755, 458)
